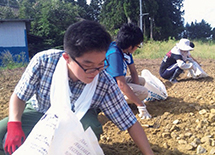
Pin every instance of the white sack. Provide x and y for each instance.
(197, 72)
(156, 89)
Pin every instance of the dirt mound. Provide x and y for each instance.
(182, 124)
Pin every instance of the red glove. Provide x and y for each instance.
(15, 137)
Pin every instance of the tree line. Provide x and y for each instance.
(50, 18)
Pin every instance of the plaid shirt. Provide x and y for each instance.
(35, 84)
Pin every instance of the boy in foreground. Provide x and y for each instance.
(85, 46)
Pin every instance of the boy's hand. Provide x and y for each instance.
(15, 137)
(143, 113)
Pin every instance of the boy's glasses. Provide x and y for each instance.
(139, 46)
(91, 70)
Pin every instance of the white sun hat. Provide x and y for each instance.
(184, 45)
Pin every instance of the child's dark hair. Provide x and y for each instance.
(129, 35)
(86, 36)
(192, 44)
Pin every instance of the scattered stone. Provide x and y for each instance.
(197, 141)
(212, 117)
(188, 134)
(174, 127)
(182, 141)
(191, 114)
(181, 136)
(200, 150)
(103, 138)
(165, 145)
(188, 147)
(212, 142)
(212, 151)
(166, 135)
(197, 108)
(174, 135)
(206, 140)
(202, 112)
(193, 144)
(176, 121)
(213, 111)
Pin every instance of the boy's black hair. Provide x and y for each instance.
(86, 36)
(129, 35)
(192, 44)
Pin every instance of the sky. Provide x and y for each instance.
(196, 10)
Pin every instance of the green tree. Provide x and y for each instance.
(131, 10)
(201, 30)
(9, 3)
(95, 9)
(213, 34)
(168, 19)
(113, 15)
(7, 13)
(50, 18)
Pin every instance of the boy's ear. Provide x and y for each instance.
(66, 57)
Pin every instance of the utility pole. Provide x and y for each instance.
(151, 27)
(141, 15)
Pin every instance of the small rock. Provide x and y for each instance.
(165, 145)
(176, 121)
(174, 127)
(212, 151)
(199, 97)
(103, 138)
(202, 112)
(188, 134)
(166, 135)
(212, 142)
(181, 136)
(212, 117)
(200, 150)
(182, 141)
(193, 144)
(197, 141)
(188, 147)
(185, 147)
(174, 135)
(213, 111)
(206, 140)
(191, 114)
(197, 107)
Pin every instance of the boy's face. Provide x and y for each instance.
(132, 49)
(86, 67)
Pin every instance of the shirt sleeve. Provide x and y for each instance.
(26, 87)
(117, 110)
(115, 61)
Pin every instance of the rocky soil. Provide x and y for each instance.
(183, 124)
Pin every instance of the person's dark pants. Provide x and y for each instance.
(30, 117)
(169, 72)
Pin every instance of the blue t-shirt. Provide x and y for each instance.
(118, 61)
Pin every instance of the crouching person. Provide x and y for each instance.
(174, 62)
(85, 46)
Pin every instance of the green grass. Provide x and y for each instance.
(9, 61)
(157, 49)
(149, 50)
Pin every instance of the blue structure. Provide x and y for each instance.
(13, 37)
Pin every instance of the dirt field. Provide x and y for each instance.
(183, 124)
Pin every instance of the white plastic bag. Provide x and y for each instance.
(156, 89)
(60, 133)
(197, 72)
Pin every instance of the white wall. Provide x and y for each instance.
(12, 34)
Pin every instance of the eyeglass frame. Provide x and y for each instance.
(139, 46)
(92, 69)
